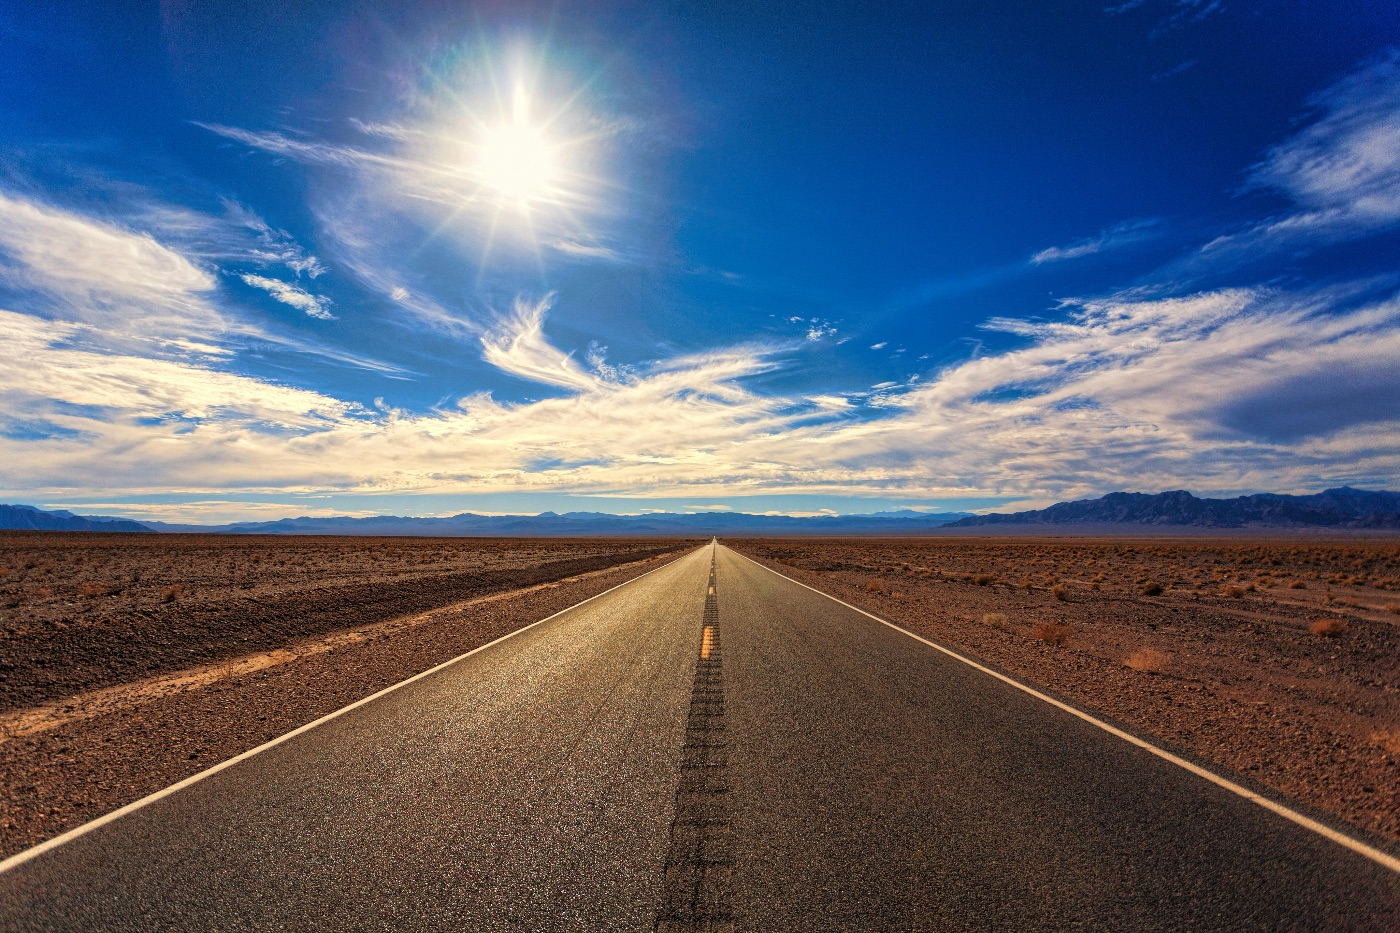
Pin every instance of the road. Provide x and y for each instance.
(703, 749)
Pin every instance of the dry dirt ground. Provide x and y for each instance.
(129, 662)
(1277, 659)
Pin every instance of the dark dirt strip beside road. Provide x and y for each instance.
(58, 778)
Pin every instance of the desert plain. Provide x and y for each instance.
(129, 662)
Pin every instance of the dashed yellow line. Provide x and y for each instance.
(707, 642)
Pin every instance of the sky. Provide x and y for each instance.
(262, 259)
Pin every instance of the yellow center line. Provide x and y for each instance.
(707, 641)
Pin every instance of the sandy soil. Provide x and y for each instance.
(270, 634)
(1277, 659)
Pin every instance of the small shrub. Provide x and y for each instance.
(1095, 586)
(876, 586)
(1388, 739)
(1393, 608)
(995, 619)
(1297, 585)
(1151, 588)
(173, 592)
(1329, 628)
(1148, 660)
(94, 589)
(1060, 592)
(983, 579)
(1234, 592)
(1052, 633)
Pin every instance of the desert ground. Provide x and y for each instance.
(129, 662)
(1276, 659)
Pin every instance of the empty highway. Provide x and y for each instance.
(709, 747)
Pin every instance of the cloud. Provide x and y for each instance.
(1187, 13)
(313, 305)
(1341, 172)
(1115, 237)
(100, 272)
(518, 346)
(880, 346)
(139, 294)
(1216, 391)
(586, 250)
(1175, 70)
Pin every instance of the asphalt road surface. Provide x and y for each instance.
(703, 749)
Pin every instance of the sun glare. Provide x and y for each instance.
(516, 158)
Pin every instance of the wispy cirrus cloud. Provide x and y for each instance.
(1341, 172)
(1115, 237)
(141, 294)
(316, 306)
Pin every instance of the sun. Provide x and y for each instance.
(516, 159)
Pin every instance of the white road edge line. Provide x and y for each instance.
(19, 858)
(1355, 845)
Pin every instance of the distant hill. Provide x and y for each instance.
(28, 518)
(1334, 508)
(576, 524)
(546, 524)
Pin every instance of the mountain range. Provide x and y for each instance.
(546, 524)
(1343, 507)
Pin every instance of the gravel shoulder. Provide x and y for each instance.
(1296, 688)
(117, 738)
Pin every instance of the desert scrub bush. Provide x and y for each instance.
(1388, 739)
(1052, 633)
(1148, 660)
(876, 586)
(1151, 588)
(1297, 585)
(173, 592)
(983, 579)
(1393, 608)
(994, 619)
(1328, 628)
(1233, 592)
(1060, 592)
(95, 589)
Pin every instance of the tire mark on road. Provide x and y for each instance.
(698, 861)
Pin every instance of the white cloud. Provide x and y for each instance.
(1123, 234)
(586, 250)
(101, 272)
(1342, 171)
(880, 346)
(518, 346)
(1227, 390)
(315, 306)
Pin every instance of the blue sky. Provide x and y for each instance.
(261, 260)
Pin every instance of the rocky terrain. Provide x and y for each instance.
(1275, 659)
